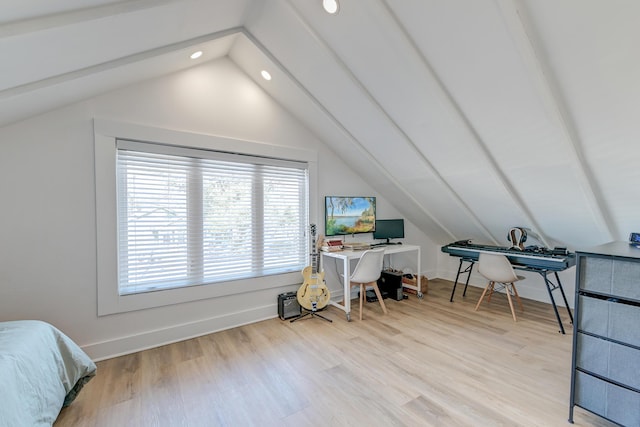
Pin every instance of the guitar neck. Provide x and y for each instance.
(314, 263)
(314, 252)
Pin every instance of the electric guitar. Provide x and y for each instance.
(313, 295)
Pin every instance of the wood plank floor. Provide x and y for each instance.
(428, 362)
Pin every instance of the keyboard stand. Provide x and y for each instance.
(551, 286)
(466, 270)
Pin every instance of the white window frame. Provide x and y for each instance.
(106, 133)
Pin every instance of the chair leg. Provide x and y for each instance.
(515, 292)
(492, 288)
(483, 294)
(379, 295)
(513, 312)
(363, 289)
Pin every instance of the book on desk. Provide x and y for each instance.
(331, 245)
(356, 246)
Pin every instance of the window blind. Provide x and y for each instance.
(188, 217)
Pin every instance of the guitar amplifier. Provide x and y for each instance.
(288, 306)
(390, 282)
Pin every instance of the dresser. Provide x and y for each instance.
(605, 369)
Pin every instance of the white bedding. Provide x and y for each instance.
(41, 370)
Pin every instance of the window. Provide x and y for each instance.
(190, 217)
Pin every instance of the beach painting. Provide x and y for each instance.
(349, 215)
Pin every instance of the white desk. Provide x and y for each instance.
(345, 257)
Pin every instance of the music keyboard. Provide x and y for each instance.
(538, 258)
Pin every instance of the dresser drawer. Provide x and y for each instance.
(614, 361)
(608, 400)
(611, 276)
(610, 319)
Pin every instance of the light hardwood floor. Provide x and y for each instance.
(428, 362)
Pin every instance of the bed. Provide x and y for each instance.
(41, 371)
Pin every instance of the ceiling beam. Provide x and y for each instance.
(114, 63)
(547, 87)
(74, 16)
(357, 82)
(456, 113)
(363, 151)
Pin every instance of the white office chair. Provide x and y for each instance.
(498, 269)
(367, 272)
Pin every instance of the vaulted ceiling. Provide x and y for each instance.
(471, 116)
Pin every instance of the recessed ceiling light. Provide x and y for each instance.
(196, 55)
(265, 75)
(331, 6)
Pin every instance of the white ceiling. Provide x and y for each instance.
(472, 116)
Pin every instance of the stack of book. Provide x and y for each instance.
(332, 245)
(356, 246)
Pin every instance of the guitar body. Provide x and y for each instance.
(313, 295)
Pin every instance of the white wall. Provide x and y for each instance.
(48, 231)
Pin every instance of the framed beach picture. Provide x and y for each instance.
(349, 215)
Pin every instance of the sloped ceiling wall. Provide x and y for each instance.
(472, 116)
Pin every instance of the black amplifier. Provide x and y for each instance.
(288, 306)
(390, 282)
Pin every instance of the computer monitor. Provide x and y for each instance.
(389, 229)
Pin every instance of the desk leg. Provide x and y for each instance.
(418, 268)
(346, 270)
(346, 285)
(460, 270)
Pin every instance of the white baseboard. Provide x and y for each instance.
(155, 338)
